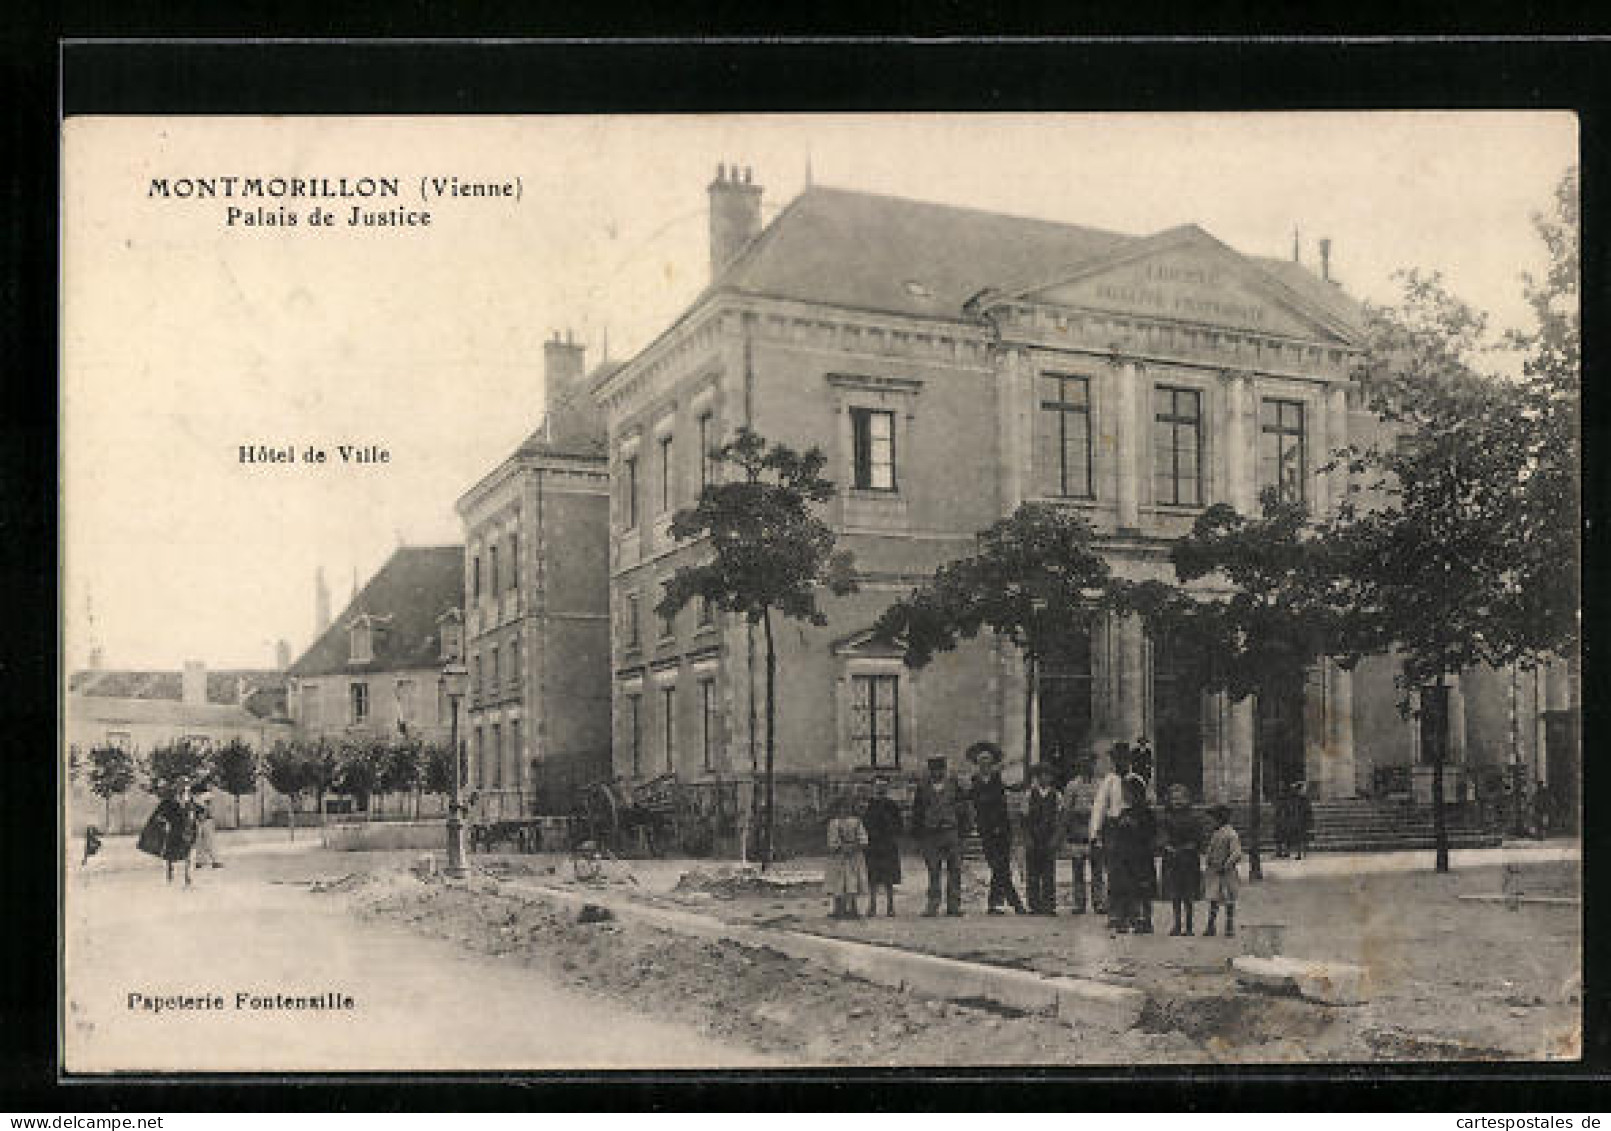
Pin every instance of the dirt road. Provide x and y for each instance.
(253, 928)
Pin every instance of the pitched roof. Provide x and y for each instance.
(172, 712)
(265, 687)
(406, 596)
(917, 258)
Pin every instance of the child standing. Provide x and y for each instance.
(1224, 854)
(845, 878)
(1182, 856)
(882, 820)
(1042, 831)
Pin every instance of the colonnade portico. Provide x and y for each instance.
(1124, 357)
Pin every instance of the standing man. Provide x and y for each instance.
(1079, 799)
(937, 817)
(1105, 809)
(989, 797)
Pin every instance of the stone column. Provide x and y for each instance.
(1240, 452)
(1011, 368)
(1337, 437)
(1127, 380)
(1337, 767)
(1129, 677)
(1216, 722)
(1239, 751)
(1319, 444)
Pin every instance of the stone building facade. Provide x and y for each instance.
(375, 672)
(953, 364)
(536, 622)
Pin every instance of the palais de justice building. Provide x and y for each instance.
(953, 364)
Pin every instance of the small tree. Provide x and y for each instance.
(288, 767)
(769, 553)
(235, 765)
(403, 769)
(359, 766)
(174, 762)
(436, 770)
(1035, 581)
(1467, 555)
(1258, 639)
(111, 774)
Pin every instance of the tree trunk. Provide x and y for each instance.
(290, 814)
(1440, 750)
(1029, 713)
(769, 828)
(1255, 863)
(237, 811)
(108, 814)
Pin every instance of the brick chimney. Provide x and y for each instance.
(567, 408)
(735, 215)
(1325, 259)
(194, 684)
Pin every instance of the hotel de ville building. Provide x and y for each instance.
(953, 364)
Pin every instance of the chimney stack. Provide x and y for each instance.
(194, 685)
(568, 412)
(1325, 259)
(735, 215)
(282, 654)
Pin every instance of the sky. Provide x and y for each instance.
(185, 337)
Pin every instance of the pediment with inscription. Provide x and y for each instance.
(1198, 281)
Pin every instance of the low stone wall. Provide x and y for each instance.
(378, 836)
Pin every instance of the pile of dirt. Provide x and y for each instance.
(748, 881)
(753, 996)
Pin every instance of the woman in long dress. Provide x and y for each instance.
(171, 832)
(845, 877)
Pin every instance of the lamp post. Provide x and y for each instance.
(453, 681)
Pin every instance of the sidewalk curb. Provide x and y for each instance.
(1074, 1001)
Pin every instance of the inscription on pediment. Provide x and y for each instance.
(1186, 287)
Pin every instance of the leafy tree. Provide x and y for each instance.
(172, 763)
(769, 555)
(359, 769)
(1035, 581)
(1268, 612)
(436, 770)
(403, 769)
(1468, 552)
(235, 764)
(323, 769)
(289, 768)
(111, 774)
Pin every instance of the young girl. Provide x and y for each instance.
(845, 878)
(1224, 854)
(1182, 863)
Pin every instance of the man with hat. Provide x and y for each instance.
(989, 797)
(938, 814)
(1105, 810)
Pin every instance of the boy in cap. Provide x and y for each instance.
(1042, 829)
(937, 818)
(989, 797)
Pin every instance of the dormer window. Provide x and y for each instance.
(361, 641)
(450, 630)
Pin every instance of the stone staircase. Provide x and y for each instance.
(1354, 825)
(1363, 825)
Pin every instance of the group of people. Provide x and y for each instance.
(1114, 835)
(181, 830)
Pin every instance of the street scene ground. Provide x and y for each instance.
(509, 979)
